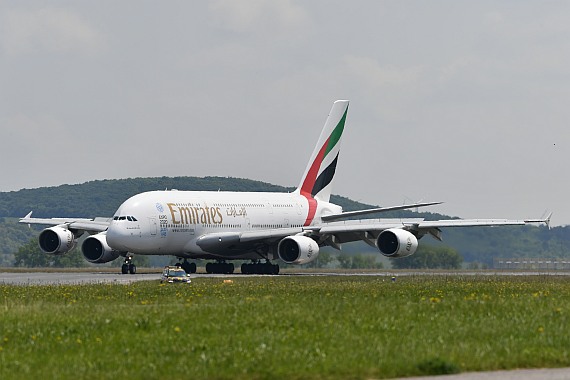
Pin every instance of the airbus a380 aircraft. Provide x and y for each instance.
(225, 226)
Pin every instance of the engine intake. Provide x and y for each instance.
(396, 242)
(96, 250)
(57, 240)
(298, 250)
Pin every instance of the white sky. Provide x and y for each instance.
(465, 102)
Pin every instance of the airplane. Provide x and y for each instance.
(257, 227)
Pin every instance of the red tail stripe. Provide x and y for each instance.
(311, 177)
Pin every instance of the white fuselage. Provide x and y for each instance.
(170, 222)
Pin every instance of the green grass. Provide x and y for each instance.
(285, 327)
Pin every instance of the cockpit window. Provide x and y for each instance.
(130, 218)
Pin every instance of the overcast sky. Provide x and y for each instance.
(466, 102)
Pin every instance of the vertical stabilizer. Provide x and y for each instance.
(319, 174)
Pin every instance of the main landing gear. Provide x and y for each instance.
(260, 268)
(220, 267)
(128, 266)
(188, 267)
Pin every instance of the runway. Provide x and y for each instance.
(526, 374)
(95, 277)
(69, 278)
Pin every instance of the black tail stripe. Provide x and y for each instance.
(325, 177)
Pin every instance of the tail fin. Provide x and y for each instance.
(319, 174)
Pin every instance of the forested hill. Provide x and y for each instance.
(102, 198)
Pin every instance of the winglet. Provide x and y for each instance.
(545, 220)
(27, 217)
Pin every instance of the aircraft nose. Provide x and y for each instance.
(116, 237)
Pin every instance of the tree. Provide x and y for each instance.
(430, 257)
(358, 261)
(344, 260)
(365, 262)
(323, 259)
(31, 256)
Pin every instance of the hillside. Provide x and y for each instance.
(102, 198)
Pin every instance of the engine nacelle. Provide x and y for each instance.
(396, 242)
(57, 240)
(298, 250)
(96, 250)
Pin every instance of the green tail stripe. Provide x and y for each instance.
(336, 133)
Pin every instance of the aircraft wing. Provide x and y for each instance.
(80, 224)
(350, 214)
(368, 229)
(336, 233)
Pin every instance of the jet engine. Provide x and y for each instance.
(97, 251)
(57, 240)
(298, 250)
(396, 242)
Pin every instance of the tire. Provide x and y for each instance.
(132, 269)
(125, 269)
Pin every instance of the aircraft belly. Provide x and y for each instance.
(243, 251)
(156, 245)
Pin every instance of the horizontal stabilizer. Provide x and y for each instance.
(350, 214)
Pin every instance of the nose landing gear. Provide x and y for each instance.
(128, 266)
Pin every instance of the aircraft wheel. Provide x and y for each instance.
(188, 267)
(209, 268)
(132, 269)
(125, 268)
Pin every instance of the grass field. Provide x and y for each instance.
(285, 327)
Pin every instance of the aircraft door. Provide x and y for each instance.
(153, 226)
